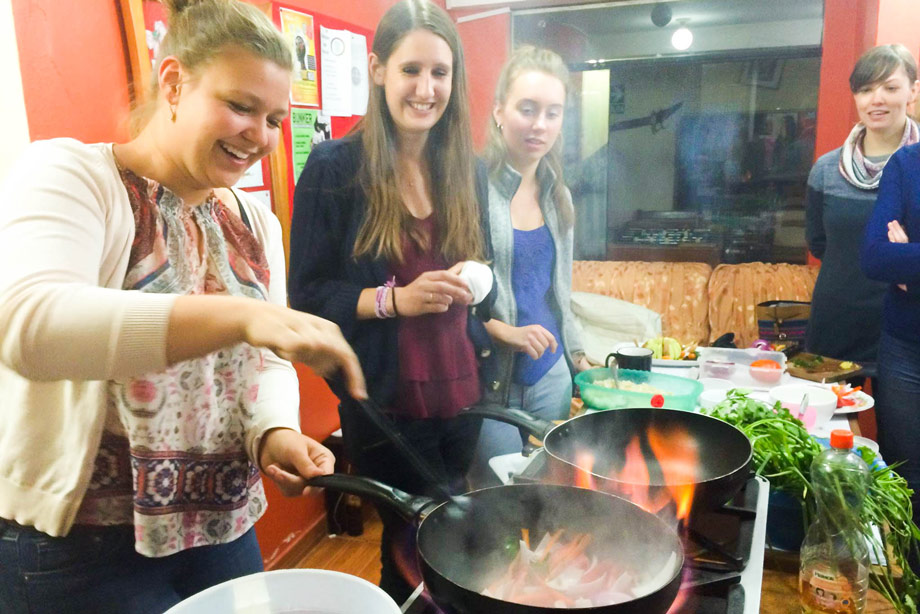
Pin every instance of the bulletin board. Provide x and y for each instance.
(282, 160)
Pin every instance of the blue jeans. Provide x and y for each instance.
(550, 398)
(897, 409)
(96, 570)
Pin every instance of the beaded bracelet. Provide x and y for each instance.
(380, 300)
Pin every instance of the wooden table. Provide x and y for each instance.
(779, 593)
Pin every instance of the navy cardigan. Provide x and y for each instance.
(897, 263)
(326, 279)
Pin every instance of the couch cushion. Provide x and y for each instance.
(735, 289)
(606, 322)
(676, 290)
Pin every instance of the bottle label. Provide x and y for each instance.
(826, 591)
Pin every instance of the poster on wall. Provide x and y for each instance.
(298, 27)
(359, 88)
(252, 178)
(344, 67)
(155, 19)
(303, 127)
(336, 66)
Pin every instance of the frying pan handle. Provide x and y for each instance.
(406, 505)
(537, 427)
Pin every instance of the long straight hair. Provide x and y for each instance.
(528, 58)
(448, 151)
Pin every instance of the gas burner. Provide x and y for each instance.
(720, 540)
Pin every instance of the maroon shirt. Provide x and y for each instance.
(438, 374)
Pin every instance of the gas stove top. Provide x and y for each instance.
(723, 553)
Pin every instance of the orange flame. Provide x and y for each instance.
(584, 464)
(678, 456)
(635, 479)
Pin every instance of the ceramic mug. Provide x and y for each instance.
(635, 358)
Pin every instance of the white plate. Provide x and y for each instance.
(863, 402)
(663, 362)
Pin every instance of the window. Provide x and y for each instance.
(700, 155)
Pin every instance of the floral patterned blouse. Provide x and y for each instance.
(172, 461)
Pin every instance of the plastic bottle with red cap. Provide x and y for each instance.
(834, 571)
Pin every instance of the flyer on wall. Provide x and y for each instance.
(302, 130)
(298, 27)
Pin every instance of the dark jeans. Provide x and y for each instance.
(448, 447)
(96, 570)
(897, 409)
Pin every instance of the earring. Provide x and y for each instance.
(173, 105)
(499, 126)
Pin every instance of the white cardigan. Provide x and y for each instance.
(66, 326)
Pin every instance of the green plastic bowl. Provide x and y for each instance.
(678, 392)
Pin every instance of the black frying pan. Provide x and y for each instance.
(461, 545)
(724, 451)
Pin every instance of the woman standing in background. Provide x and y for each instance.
(531, 220)
(845, 321)
(383, 220)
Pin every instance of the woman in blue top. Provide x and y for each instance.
(889, 255)
(531, 220)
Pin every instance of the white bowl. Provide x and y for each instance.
(712, 397)
(821, 403)
(716, 383)
(290, 590)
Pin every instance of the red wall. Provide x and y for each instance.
(74, 71)
(898, 22)
(486, 45)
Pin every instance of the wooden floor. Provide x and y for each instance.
(360, 556)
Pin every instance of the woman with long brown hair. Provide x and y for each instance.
(383, 220)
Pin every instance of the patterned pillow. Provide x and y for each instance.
(676, 290)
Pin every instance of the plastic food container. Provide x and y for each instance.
(735, 365)
(290, 591)
(677, 392)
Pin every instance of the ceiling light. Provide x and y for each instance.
(682, 37)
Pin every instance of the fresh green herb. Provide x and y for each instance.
(783, 453)
(808, 363)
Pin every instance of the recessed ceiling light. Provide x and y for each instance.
(682, 37)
